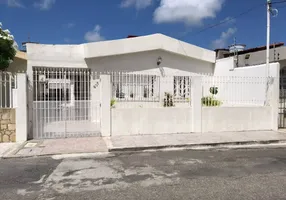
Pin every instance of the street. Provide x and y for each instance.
(187, 174)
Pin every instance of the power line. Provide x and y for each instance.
(278, 2)
(230, 19)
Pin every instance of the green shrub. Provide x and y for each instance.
(214, 90)
(168, 100)
(211, 101)
(112, 102)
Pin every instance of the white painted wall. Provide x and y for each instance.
(243, 85)
(146, 121)
(221, 119)
(147, 62)
(43, 55)
(225, 67)
(21, 109)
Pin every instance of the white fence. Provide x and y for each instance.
(8, 82)
(81, 102)
(234, 91)
(133, 90)
(184, 104)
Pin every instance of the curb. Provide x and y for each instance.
(134, 149)
(112, 151)
(60, 156)
(13, 150)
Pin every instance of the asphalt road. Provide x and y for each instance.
(231, 174)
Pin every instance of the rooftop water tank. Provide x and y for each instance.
(236, 48)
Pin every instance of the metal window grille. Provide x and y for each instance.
(8, 82)
(182, 88)
(135, 87)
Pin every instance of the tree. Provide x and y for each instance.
(7, 48)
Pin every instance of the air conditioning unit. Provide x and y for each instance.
(42, 78)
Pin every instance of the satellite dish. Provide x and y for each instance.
(274, 12)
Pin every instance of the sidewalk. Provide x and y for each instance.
(98, 145)
(136, 143)
(8, 148)
(59, 147)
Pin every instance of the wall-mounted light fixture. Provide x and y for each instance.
(159, 60)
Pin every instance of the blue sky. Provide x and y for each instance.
(79, 21)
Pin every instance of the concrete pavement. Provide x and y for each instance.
(59, 146)
(143, 142)
(232, 174)
(7, 149)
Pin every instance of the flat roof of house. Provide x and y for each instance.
(128, 46)
(147, 43)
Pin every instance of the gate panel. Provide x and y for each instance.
(62, 105)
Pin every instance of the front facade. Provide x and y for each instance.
(67, 94)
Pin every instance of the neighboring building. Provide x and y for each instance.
(19, 64)
(255, 56)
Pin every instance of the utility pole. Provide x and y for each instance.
(269, 7)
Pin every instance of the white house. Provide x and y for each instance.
(62, 73)
(143, 85)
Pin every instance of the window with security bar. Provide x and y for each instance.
(135, 87)
(182, 87)
(60, 84)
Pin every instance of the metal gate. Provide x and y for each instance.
(63, 104)
(282, 99)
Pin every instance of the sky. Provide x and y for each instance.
(81, 21)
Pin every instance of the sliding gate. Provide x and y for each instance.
(63, 104)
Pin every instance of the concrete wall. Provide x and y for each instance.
(243, 85)
(42, 55)
(226, 67)
(220, 119)
(18, 65)
(146, 61)
(7, 125)
(145, 121)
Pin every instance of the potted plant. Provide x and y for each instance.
(168, 100)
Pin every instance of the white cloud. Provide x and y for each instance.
(224, 37)
(191, 12)
(44, 4)
(228, 20)
(69, 25)
(94, 35)
(15, 3)
(138, 4)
